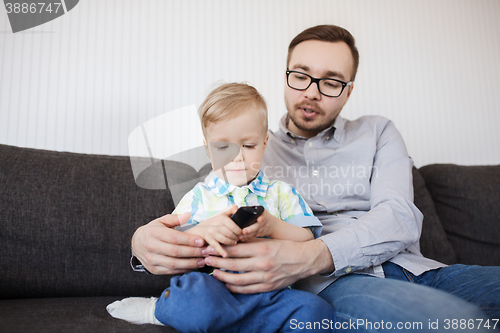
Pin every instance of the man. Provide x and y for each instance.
(356, 176)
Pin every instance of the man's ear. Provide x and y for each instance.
(351, 87)
(349, 91)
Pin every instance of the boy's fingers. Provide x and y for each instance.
(230, 225)
(231, 230)
(221, 239)
(229, 210)
(217, 247)
(250, 229)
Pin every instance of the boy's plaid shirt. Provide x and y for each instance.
(278, 198)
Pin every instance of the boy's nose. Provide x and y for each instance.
(239, 157)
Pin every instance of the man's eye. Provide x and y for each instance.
(300, 77)
(332, 84)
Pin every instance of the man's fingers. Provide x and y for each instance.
(175, 250)
(244, 283)
(177, 237)
(239, 279)
(170, 266)
(253, 247)
(172, 221)
(240, 265)
(249, 289)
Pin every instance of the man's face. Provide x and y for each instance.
(311, 112)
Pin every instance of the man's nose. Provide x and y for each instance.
(313, 91)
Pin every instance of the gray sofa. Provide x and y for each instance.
(66, 221)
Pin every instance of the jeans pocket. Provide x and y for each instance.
(409, 275)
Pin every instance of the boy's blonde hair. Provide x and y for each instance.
(230, 100)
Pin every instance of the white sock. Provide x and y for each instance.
(137, 310)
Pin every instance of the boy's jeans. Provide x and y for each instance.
(454, 298)
(199, 302)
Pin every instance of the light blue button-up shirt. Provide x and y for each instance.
(357, 178)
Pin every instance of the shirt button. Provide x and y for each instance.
(348, 270)
(310, 144)
(328, 138)
(315, 173)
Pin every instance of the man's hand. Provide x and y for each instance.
(270, 264)
(163, 250)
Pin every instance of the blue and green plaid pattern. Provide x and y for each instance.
(278, 198)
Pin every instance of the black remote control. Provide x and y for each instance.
(246, 216)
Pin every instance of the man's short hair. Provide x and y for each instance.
(230, 100)
(327, 33)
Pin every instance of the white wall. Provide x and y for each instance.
(84, 81)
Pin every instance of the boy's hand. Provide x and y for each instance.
(263, 227)
(218, 229)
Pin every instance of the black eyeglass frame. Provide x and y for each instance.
(316, 80)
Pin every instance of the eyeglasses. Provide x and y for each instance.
(328, 87)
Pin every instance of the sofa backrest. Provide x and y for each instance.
(66, 221)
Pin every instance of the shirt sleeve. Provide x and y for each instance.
(192, 202)
(393, 223)
(294, 210)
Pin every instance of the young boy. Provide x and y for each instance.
(234, 123)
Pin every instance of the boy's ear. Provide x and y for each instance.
(206, 148)
(265, 141)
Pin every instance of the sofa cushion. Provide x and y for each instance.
(434, 243)
(70, 314)
(467, 201)
(66, 221)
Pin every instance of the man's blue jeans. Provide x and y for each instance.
(197, 302)
(454, 298)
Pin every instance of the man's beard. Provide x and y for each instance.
(309, 126)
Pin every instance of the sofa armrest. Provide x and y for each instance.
(434, 243)
(467, 200)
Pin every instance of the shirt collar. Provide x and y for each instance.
(219, 187)
(337, 130)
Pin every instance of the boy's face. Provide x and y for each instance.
(245, 131)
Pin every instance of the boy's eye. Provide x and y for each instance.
(249, 146)
(221, 147)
